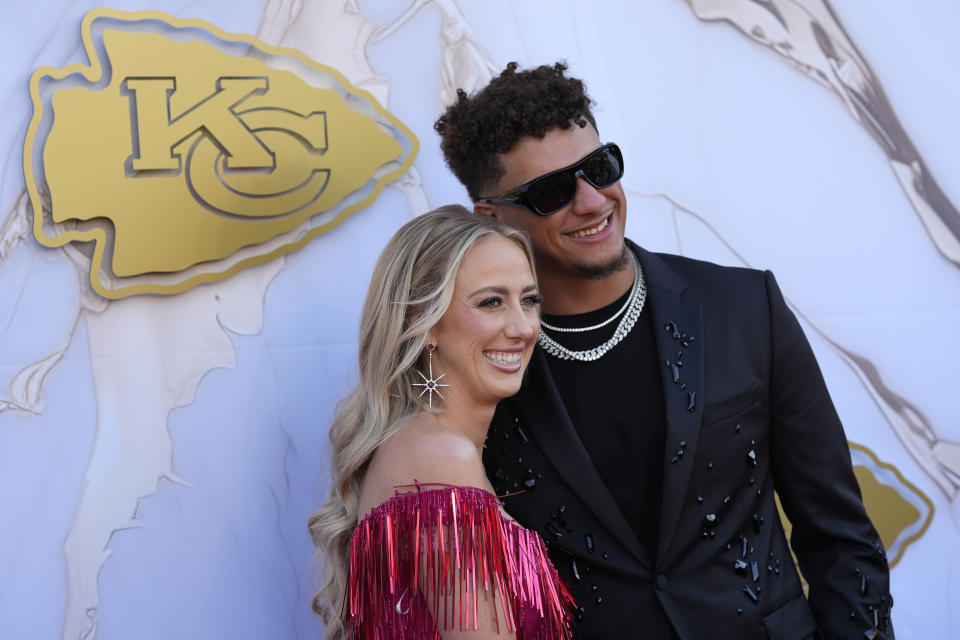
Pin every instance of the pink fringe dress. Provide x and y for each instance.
(421, 561)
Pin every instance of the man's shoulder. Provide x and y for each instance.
(688, 264)
(702, 276)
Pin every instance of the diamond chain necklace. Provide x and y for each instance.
(633, 307)
(633, 292)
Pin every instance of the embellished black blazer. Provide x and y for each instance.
(748, 415)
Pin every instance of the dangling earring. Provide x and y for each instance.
(430, 384)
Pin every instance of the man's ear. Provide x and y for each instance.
(486, 209)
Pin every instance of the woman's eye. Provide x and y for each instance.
(490, 302)
(533, 300)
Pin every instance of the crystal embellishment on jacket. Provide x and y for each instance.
(422, 561)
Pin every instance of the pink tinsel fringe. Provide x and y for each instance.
(422, 561)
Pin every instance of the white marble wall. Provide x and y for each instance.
(158, 463)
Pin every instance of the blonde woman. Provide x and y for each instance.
(415, 542)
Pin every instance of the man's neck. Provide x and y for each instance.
(569, 294)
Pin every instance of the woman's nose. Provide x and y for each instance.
(524, 323)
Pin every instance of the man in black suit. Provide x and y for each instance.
(668, 401)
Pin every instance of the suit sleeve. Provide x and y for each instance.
(838, 549)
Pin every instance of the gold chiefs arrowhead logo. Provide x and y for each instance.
(185, 154)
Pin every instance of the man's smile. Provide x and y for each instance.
(591, 230)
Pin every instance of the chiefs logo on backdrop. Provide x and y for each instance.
(186, 154)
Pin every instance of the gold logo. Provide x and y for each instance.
(186, 154)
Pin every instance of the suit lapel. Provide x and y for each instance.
(678, 327)
(543, 412)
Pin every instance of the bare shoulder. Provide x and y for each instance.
(423, 451)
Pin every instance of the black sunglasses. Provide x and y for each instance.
(553, 191)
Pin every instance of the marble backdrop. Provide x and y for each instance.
(159, 456)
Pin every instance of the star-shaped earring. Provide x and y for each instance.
(430, 384)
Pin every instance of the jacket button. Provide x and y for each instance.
(662, 583)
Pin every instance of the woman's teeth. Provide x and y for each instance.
(502, 358)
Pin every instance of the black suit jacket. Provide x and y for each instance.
(747, 414)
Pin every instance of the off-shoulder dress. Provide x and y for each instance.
(423, 560)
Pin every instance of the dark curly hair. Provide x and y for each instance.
(476, 129)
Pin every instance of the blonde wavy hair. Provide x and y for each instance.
(411, 289)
